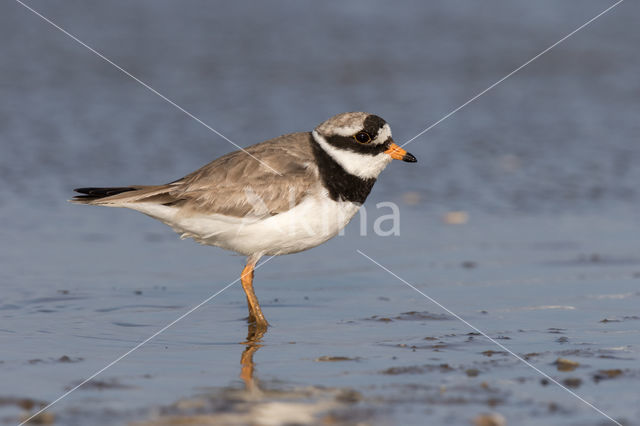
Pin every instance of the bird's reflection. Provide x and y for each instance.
(267, 403)
(253, 343)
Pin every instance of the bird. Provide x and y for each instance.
(282, 196)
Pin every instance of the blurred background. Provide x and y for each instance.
(562, 134)
(543, 167)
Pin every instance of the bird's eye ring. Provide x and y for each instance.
(362, 137)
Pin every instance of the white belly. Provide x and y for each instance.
(310, 223)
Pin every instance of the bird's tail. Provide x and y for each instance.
(119, 195)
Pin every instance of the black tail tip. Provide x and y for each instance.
(95, 193)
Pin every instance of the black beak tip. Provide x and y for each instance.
(409, 158)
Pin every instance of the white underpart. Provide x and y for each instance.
(361, 165)
(312, 222)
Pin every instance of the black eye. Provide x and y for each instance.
(362, 137)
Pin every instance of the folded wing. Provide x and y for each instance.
(236, 184)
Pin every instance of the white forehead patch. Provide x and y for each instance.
(362, 165)
(383, 135)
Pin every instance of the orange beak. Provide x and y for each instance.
(398, 153)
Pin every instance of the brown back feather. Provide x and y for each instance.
(238, 185)
(235, 184)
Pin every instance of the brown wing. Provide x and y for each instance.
(237, 184)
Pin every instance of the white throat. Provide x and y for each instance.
(362, 165)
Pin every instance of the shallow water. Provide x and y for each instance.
(548, 263)
(542, 289)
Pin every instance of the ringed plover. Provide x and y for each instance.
(282, 196)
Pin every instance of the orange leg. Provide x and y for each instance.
(255, 313)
